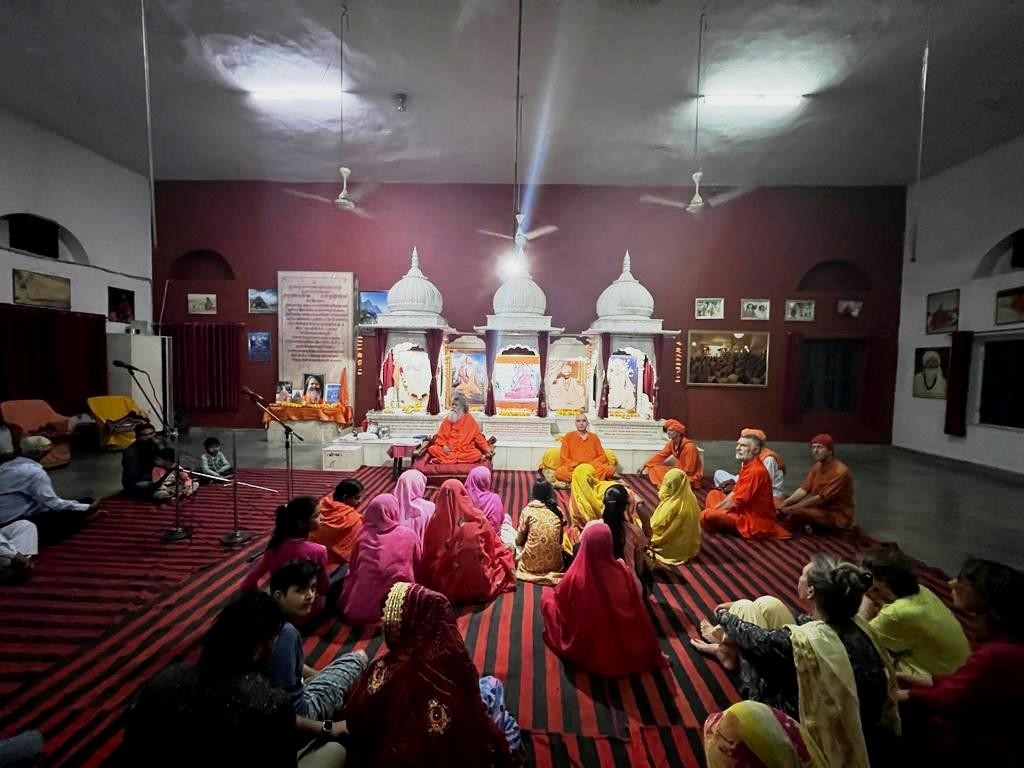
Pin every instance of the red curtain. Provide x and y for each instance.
(386, 380)
(877, 378)
(659, 353)
(206, 364)
(52, 355)
(491, 342)
(542, 351)
(382, 342)
(435, 337)
(957, 383)
(606, 356)
(791, 386)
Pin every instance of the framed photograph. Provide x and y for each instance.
(283, 392)
(262, 301)
(372, 304)
(849, 307)
(259, 346)
(727, 358)
(800, 310)
(566, 386)
(333, 395)
(943, 312)
(709, 309)
(931, 364)
(468, 378)
(39, 290)
(202, 304)
(120, 305)
(516, 383)
(312, 388)
(1010, 306)
(755, 309)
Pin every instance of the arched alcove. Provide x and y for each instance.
(201, 264)
(28, 233)
(997, 260)
(835, 276)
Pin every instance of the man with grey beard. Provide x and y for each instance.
(459, 439)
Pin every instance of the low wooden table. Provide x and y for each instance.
(400, 450)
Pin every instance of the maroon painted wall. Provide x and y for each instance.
(757, 246)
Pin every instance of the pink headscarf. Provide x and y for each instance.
(413, 510)
(385, 553)
(478, 486)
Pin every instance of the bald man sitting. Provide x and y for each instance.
(825, 500)
(582, 447)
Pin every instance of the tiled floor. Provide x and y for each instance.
(936, 512)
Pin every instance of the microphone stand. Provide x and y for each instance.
(259, 402)
(172, 430)
(179, 531)
(236, 535)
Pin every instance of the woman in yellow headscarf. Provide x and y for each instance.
(675, 523)
(586, 503)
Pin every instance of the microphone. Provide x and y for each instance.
(123, 364)
(249, 392)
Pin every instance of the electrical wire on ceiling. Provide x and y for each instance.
(516, 197)
(700, 64)
(149, 123)
(343, 22)
(915, 209)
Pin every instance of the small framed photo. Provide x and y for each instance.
(1010, 306)
(262, 301)
(849, 307)
(931, 364)
(120, 305)
(259, 346)
(283, 392)
(202, 304)
(943, 312)
(800, 310)
(755, 309)
(709, 309)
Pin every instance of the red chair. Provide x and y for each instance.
(27, 418)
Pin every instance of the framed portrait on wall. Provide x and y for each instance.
(202, 304)
(755, 309)
(259, 346)
(931, 365)
(262, 301)
(467, 377)
(800, 310)
(372, 304)
(39, 290)
(1010, 306)
(709, 309)
(849, 307)
(727, 358)
(120, 304)
(943, 312)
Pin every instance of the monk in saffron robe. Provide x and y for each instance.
(678, 453)
(749, 510)
(825, 500)
(772, 462)
(582, 447)
(459, 439)
(340, 522)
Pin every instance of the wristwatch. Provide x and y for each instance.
(328, 728)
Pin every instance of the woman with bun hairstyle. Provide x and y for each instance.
(824, 669)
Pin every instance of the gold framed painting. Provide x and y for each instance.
(727, 358)
(39, 290)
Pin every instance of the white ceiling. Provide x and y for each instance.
(609, 87)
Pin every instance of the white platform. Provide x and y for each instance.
(343, 456)
(310, 431)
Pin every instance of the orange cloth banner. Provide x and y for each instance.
(340, 414)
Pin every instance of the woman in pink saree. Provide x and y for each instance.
(385, 553)
(414, 511)
(478, 486)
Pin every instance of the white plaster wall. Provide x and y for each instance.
(103, 204)
(965, 211)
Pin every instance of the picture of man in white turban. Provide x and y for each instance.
(930, 381)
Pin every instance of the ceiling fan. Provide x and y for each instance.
(346, 201)
(520, 238)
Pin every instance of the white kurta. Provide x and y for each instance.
(18, 538)
(721, 476)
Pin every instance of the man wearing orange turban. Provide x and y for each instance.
(825, 500)
(772, 462)
(678, 452)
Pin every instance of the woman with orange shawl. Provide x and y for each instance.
(463, 558)
(679, 452)
(340, 522)
(595, 618)
(423, 703)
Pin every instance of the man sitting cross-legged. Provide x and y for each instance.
(582, 447)
(459, 439)
(825, 500)
(749, 509)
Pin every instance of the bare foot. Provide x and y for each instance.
(710, 632)
(726, 653)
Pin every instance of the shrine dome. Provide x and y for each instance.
(519, 296)
(414, 293)
(626, 297)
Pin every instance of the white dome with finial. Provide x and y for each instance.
(626, 297)
(519, 296)
(414, 293)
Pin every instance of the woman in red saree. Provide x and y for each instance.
(420, 704)
(595, 618)
(463, 558)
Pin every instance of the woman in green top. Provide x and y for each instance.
(921, 634)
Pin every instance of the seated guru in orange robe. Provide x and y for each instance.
(749, 509)
(678, 453)
(459, 439)
(582, 447)
(825, 500)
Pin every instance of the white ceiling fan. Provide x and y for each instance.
(346, 201)
(521, 238)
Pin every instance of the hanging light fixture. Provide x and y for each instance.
(915, 204)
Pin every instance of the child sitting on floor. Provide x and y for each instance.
(317, 695)
(213, 462)
(164, 477)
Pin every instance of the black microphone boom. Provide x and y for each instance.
(250, 393)
(123, 364)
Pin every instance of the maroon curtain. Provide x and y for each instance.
(659, 354)
(957, 383)
(542, 350)
(52, 355)
(877, 378)
(386, 379)
(435, 337)
(606, 356)
(791, 385)
(382, 342)
(491, 342)
(206, 364)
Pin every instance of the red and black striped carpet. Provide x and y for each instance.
(108, 608)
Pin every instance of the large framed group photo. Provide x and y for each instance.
(727, 358)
